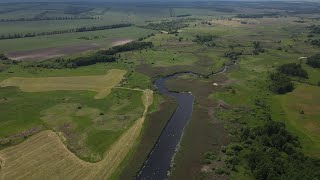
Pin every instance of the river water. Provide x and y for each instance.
(157, 165)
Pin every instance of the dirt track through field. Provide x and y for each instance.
(100, 84)
(44, 156)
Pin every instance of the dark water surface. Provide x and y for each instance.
(158, 161)
(157, 165)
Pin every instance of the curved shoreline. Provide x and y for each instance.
(158, 162)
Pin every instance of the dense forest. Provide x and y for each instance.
(81, 29)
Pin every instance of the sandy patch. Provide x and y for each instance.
(121, 42)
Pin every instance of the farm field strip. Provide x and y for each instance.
(100, 84)
(45, 156)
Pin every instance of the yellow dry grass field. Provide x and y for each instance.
(101, 84)
(44, 156)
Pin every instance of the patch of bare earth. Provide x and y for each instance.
(54, 52)
(121, 42)
(47, 53)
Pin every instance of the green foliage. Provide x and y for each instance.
(315, 42)
(315, 29)
(314, 61)
(257, 15)
(208, 157)
(273, 153)
(3, 57)
(233, 55)
(74, 63)
(126, 47)
(293, 69)
(280, 83)
(169, 26)
(257, 48)
(205, 39)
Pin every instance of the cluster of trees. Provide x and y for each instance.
(47, 18)
(315, 42)
(82, 29)
(169, 26)
(257, 48)
(205, 39)
(314, 61)
(280, 80)
(233, 55)
(136, 45)
(315, 29)
(280, 83)
(293, 69)
(271, 152)
(61, 63)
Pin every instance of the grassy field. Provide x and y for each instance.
(100, 84)
(302, 114)
(47, 152)
(91, 121)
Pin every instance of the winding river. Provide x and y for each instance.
(157, 165)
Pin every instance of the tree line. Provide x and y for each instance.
(136, 45)
(47, 18)
(81, 29)
(98, 57)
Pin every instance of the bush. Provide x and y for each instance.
(280, 83)
(314, 61)
(315, 42)
(293, 69)
(3, 57)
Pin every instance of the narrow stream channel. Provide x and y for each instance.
(157, 165)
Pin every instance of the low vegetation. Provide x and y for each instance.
(205, 39)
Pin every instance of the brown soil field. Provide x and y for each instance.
(44, 156)
(47, 53)
(54, 52)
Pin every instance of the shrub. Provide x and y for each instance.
(293, 69)
(314, 61)
(280, 83)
